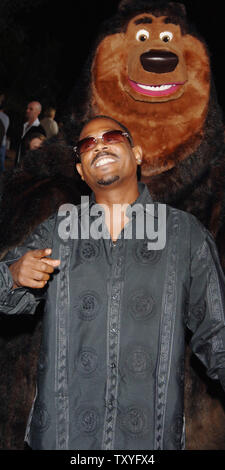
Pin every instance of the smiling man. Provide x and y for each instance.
(108, 164)
(111, 367)
(112, 144)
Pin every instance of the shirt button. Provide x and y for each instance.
(115, 296)
(110, 403)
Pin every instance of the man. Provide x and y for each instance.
(110, 373)
(49, 124)
(31, 125)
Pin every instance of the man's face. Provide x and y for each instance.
(35, 143)
(32, 111)
(107, 164)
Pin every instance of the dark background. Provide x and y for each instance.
(44, 44)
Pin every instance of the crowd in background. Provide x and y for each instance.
(39, 124)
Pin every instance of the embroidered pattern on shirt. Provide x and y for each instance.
(134, 421)
(89, 251)
(141, 305)
(88, 305)
(197, 313)
(61, 375)
(113, 342)
(88, 419)
(143, 255)
(138, 361)
(41, 418)
(87, 362)
(167, 332)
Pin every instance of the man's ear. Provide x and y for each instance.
(79, 169)
(138, 154)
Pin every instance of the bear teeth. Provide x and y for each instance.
(155, 88)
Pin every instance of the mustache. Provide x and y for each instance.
(103, 153)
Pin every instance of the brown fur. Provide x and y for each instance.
(183, 141)
(158, 129)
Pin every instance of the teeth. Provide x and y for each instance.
(155, 88)
(103, 161)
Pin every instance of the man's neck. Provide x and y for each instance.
(117, 200)
(30, 123)
(117, 195)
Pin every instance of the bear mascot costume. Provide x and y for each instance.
(150, 70)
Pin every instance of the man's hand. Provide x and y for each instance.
(33, 269)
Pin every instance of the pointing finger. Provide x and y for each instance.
(51, 262)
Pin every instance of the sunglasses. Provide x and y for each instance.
(109, 137)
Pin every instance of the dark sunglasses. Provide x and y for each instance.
(109, 137)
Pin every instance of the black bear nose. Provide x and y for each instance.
(159, 61)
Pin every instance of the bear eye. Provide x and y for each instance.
(166, 36)
(142, 35)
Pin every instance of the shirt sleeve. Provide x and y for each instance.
(206, 313)
(23, 299)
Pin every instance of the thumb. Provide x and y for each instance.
(41, 253)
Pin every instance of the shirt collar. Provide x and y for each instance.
(144, 195)
(35, 123)
(143, 198)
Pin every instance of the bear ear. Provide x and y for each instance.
(179, 8)
(134, 4)
(123, 4)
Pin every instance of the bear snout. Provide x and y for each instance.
(159, 61)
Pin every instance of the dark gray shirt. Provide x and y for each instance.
(111, 366)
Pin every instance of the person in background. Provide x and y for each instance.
(34, 141)
(31, 125)
(49, 124)
(5, 121)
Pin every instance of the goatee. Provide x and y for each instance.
(107, 182)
